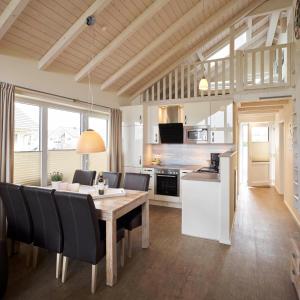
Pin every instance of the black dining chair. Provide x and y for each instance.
(133, 219)
(84, 235)
(19, 222)
(84, 177)
(113, 179)
(47, 229)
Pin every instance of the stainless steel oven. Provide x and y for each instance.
(195, 134)
(167, 182)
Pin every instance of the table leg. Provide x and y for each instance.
(145, 224)
(111, 252)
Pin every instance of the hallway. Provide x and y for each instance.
(256, 266)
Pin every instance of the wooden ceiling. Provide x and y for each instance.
(132, 42)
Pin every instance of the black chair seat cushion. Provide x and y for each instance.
(102, 228)
(131, 220)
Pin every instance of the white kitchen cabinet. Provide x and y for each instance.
(197, 113)
(152, 124)
(150, 171)
(132, 115)
(133, 170)
(132, 145)
(221, 121)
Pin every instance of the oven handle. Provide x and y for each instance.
(162, 175)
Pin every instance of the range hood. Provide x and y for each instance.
(171, 133)
(171, 114)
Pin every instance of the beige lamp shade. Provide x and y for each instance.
(90, 142)
(203, 84)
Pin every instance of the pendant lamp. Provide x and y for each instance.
(203, 84)
(90, 141)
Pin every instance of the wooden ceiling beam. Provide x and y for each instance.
(10, 14)
(71, 34)
(121, 38)
(272, 28)
(190, 37)
(192, 13)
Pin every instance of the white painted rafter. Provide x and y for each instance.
(190, 37)
(272, 28)
(192, 13)
(71, 34)
(122, 37)
(10, 14)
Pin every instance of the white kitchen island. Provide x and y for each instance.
(208, 201)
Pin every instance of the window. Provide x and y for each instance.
(99, 161)
(63, 129)
(27, 160)
(59, 138)
(225, 51)
(260, 134)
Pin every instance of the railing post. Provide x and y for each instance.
(231, 66)
(239, 70)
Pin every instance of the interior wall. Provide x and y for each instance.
(25, 73)
(187, 154)
(285, 115)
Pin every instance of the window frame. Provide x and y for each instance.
(43, 130)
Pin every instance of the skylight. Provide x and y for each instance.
(224, 52)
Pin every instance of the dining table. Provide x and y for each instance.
(109, 209)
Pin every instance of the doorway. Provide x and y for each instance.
(257, 150)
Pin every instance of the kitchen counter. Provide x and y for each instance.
(181, 167)
(205, 176)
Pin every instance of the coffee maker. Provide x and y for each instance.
(213, 165)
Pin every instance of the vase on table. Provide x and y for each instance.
(55, 184)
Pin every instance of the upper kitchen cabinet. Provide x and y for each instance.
(132, 115)
(221, 122)
(197, 113)
(152, 124)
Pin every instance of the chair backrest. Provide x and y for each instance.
(136, 181)
(84, 177)
(113, 179)
(47, 229)
(17, 211)
(80, 227)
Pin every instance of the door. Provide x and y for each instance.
(197, 113)
(259, 163)
(152, 124)
(132, 144)
(132, 115)
(221, 122)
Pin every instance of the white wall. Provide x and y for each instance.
(25, 73)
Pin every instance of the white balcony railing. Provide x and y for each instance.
(250, 69)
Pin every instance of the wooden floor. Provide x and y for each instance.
(256, 266)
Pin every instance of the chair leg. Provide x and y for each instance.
(58, 264)
(129, 244)
(64, 269)
(35, 256)
(94, 278)
(122, 252)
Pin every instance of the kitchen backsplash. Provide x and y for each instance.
(187, 154)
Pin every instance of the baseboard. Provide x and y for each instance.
(292, 213)
(277, 190)
(165, 204)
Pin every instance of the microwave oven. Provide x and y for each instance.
(195, 134)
